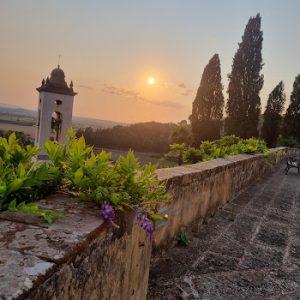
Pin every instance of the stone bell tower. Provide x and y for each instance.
(55, 108)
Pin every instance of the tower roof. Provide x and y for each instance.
(57, 83)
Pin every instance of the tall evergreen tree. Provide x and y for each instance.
(208, 105)
(243, 106)
(272, 115)
(291, 127)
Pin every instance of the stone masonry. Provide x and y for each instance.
(249, 250)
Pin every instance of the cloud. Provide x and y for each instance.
(134, 95)
(187, 92)
(181, 85)
(179, 88)
(85, 87)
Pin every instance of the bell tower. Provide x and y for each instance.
(55, 108)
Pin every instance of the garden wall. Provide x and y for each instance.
(200, 189)
(80, 257)
(77, 257)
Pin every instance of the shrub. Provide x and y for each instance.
(253, 146)
(228, 140)
(176, 153)
(289, 142)
(75, 168)
(124, 184)
(21, 178)
(228, 145)
(192, 155)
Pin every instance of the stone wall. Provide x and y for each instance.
(77, 257)
(200, 189)
(80, 257)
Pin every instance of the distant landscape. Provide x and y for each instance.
(109, 135)
(21, 119)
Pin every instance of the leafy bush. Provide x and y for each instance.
(94, 177)
(23, 139)
(228, 140)
(176, 153)
(289, 142)
(21, 178)
(192, 155)
(75, 168)
(228, 145)
(253, 146)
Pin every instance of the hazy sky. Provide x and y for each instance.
(109, 49)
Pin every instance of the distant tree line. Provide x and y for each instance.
(24, 139)
(147, 137)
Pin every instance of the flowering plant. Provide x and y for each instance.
(124, 184)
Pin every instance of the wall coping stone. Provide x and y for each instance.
(169, 173)
(29, 252)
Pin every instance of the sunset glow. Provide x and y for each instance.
(135, 62)
(151, 80)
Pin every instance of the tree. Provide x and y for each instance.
(272, 115)
(208, 105)
(181, 134)
(291, 126)
(245, 82)
(176, 153)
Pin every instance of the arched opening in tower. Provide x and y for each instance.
(56, 125)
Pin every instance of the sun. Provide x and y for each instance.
(151, 80)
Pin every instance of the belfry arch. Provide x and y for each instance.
(56, 125)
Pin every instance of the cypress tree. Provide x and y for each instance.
(272, 115)
(291, 127)
(208, 105)
(243, 106)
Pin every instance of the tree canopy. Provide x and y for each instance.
(273, 115)
(245, 82)
(208, 105)
(148, 137)
(291, 126)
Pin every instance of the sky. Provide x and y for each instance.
(110, 49)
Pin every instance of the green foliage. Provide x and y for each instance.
(94, 177)
(245, 82)
(227, 145)
(289, 142)
(291, 124)
(183, 239)
(273, 115)
(20, 177)
(176, 153)
(270, 158)
(182, 134)
(146, 137)
(208, 105)
(228, 141)
(192, 155)
(253, 146)
(24, 139)
(31, 208)
(74, 167)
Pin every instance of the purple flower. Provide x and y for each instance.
(144, 222)
(107, 212)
